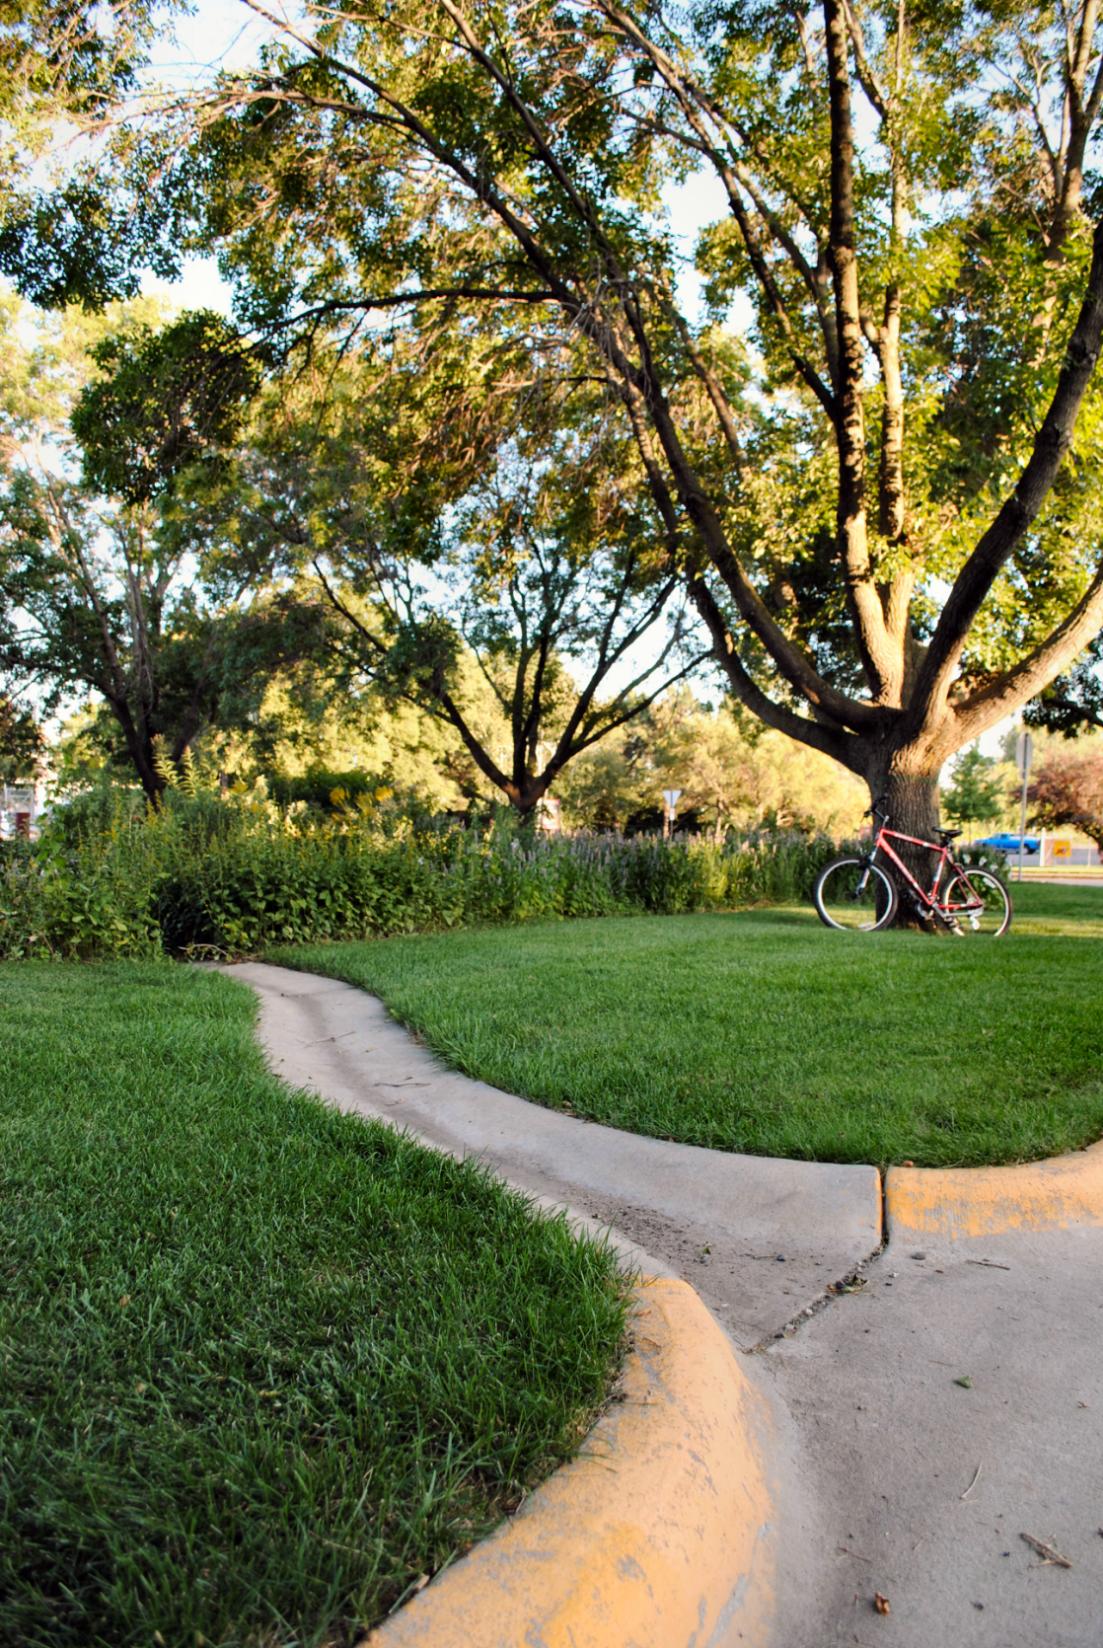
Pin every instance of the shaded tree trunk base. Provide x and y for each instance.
(909, 804)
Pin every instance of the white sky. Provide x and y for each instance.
(217, 34)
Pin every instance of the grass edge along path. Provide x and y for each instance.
(263, 1367)
(764, 1032)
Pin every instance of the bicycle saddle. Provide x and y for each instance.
(949, 835)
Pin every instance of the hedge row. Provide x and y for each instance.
(231, 875)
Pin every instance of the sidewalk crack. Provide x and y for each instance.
(852, 1282)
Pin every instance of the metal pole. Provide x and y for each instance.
(1024, 749)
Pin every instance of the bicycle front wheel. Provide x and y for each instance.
(855, 896)
(979, 903)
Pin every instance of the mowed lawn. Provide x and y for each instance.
(263, 1367)
(763, 1031)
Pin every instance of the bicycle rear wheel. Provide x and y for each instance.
(854, 896)
(979, 902)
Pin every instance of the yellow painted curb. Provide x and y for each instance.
(986, 1201)
(655, 1537)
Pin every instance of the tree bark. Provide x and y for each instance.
(906, 783)
(139, 747)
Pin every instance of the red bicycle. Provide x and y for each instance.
(857, 894)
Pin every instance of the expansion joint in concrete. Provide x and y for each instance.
(849, 1283)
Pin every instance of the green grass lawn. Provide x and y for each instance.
(262, 1366)
(765, 1032)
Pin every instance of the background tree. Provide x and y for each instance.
(610, 783)
(491, 527)
(1067, 791)
(22, 745)
(890, 544)
(310, 733)
(547, 634)
(101, 580)
(977, 791)
(732, 773)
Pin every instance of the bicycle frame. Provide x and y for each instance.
(881, 844)
(942, 862)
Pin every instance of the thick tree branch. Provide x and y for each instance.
(863, 68)
(832, 741)
(999, 698)
(1018, 511)
(881, 659)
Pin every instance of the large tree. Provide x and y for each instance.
(891, 538)
(925, 286)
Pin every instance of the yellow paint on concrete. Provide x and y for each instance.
(657, 1536)
(986, 1201)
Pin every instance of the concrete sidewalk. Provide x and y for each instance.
(760, 1240)
(921, 1486)
(890, 1476)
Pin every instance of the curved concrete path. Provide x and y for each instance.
(760, 1240)
(891, 1476)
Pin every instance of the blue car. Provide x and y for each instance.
(1008, 843)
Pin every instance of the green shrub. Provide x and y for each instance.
(231, 874)
(88, 898)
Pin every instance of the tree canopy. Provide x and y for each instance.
(65, 68)
(1067, 790)
(868, 447)
(102, 583)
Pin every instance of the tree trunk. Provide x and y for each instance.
(150, 779)
(906, 785)
(139, 747)
(525, 794)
